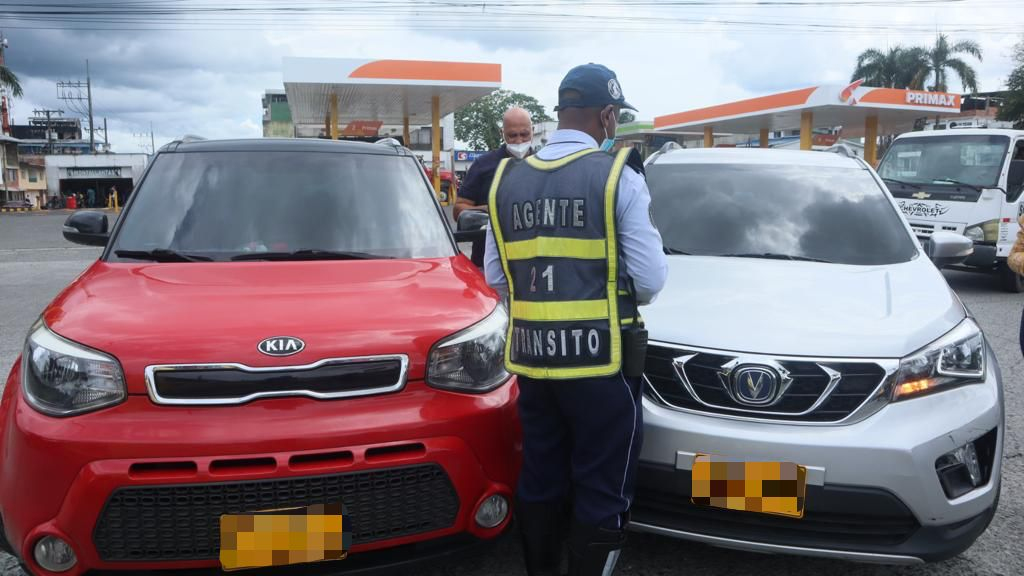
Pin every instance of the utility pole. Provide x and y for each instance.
(71, 92)
(152, 141)
(106, 138)
(48, 114)
(88, 89)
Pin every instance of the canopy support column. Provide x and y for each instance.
(763, 140)
(709, 137)
(435, 144)
(806, 130)
(871, 140)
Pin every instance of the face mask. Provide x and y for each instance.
(519, 150)
(609, 141)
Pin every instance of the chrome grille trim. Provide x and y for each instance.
(872, 403)
(155, 396)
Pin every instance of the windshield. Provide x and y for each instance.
(223, 205)
(836, 215)
(949, 167)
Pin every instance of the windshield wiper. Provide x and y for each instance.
(668, 250)
(902, 183)
(774, 256)
(974, 187)
(161, 255)
(309, 254)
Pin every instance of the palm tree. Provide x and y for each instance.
(942, 56)
(898, 67)
(8, 78)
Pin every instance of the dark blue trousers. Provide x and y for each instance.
(585, 435)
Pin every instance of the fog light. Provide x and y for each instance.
(959, 470)
(492, 512)
(54, 554)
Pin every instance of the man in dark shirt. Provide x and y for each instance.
(517, 129)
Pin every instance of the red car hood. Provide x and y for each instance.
(172, 313)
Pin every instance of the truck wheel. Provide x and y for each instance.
(1010, 280)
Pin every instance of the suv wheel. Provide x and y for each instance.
(1010, 280)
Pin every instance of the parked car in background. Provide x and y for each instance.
(805, 327)
(273, 324)
(17, 204)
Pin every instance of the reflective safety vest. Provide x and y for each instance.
(554, 226)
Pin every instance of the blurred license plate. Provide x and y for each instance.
(283, 537)
(766, 487)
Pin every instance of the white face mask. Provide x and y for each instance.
(519, 150)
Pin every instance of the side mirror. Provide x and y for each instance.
(87, 227)
(948, 249)
(472, 225)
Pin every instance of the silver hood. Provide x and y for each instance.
(792, 308)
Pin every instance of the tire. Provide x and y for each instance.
(1009, 280)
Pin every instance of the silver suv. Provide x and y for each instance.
(807, 326)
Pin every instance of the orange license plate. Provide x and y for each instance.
(766, 487)
(284, 537)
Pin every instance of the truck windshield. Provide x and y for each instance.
(838, 215)
(203, 206)
(953, 166)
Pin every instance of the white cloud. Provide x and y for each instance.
(210, 82)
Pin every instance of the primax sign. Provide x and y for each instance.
(933, 99)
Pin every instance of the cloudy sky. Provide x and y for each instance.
(201, 66)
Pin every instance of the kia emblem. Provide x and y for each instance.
(281, 346)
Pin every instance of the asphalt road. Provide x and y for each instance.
(36, 263)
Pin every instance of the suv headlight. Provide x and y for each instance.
(61, 378)
(956, 359)
(471, 360)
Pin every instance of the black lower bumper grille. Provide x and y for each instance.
(836, 517)
(182, 522)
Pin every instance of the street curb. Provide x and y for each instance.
(16, 209)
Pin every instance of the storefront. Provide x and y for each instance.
(94, 178)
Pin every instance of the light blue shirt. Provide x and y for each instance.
(639, 241)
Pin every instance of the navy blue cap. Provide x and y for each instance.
(596, 85)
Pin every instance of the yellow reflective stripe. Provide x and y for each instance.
(552, 164)
(560, 311)
(499, 241)
(562, 373)
(546, 246)
(611, 188)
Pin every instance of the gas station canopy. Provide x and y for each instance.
(333, 91)
(389, 91)
(858, 109)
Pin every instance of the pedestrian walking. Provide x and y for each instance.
(572, 240)
(517, 130)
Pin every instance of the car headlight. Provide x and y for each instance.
(985, 232)
(61, 378)
(956, 359)
(471, 360)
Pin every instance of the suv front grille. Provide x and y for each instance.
(182, 522)
(821, 391)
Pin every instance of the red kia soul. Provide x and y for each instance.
(273, 324)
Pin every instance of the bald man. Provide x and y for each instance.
(517, 130)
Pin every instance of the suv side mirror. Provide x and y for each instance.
(87, 227)
(948, 249)
(472, 225)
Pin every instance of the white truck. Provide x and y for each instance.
(968, 181)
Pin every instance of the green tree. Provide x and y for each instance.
(479, 124)
(625, 117)
(1012, 109)
(898, 67)
(8, 78)
(942, 56)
